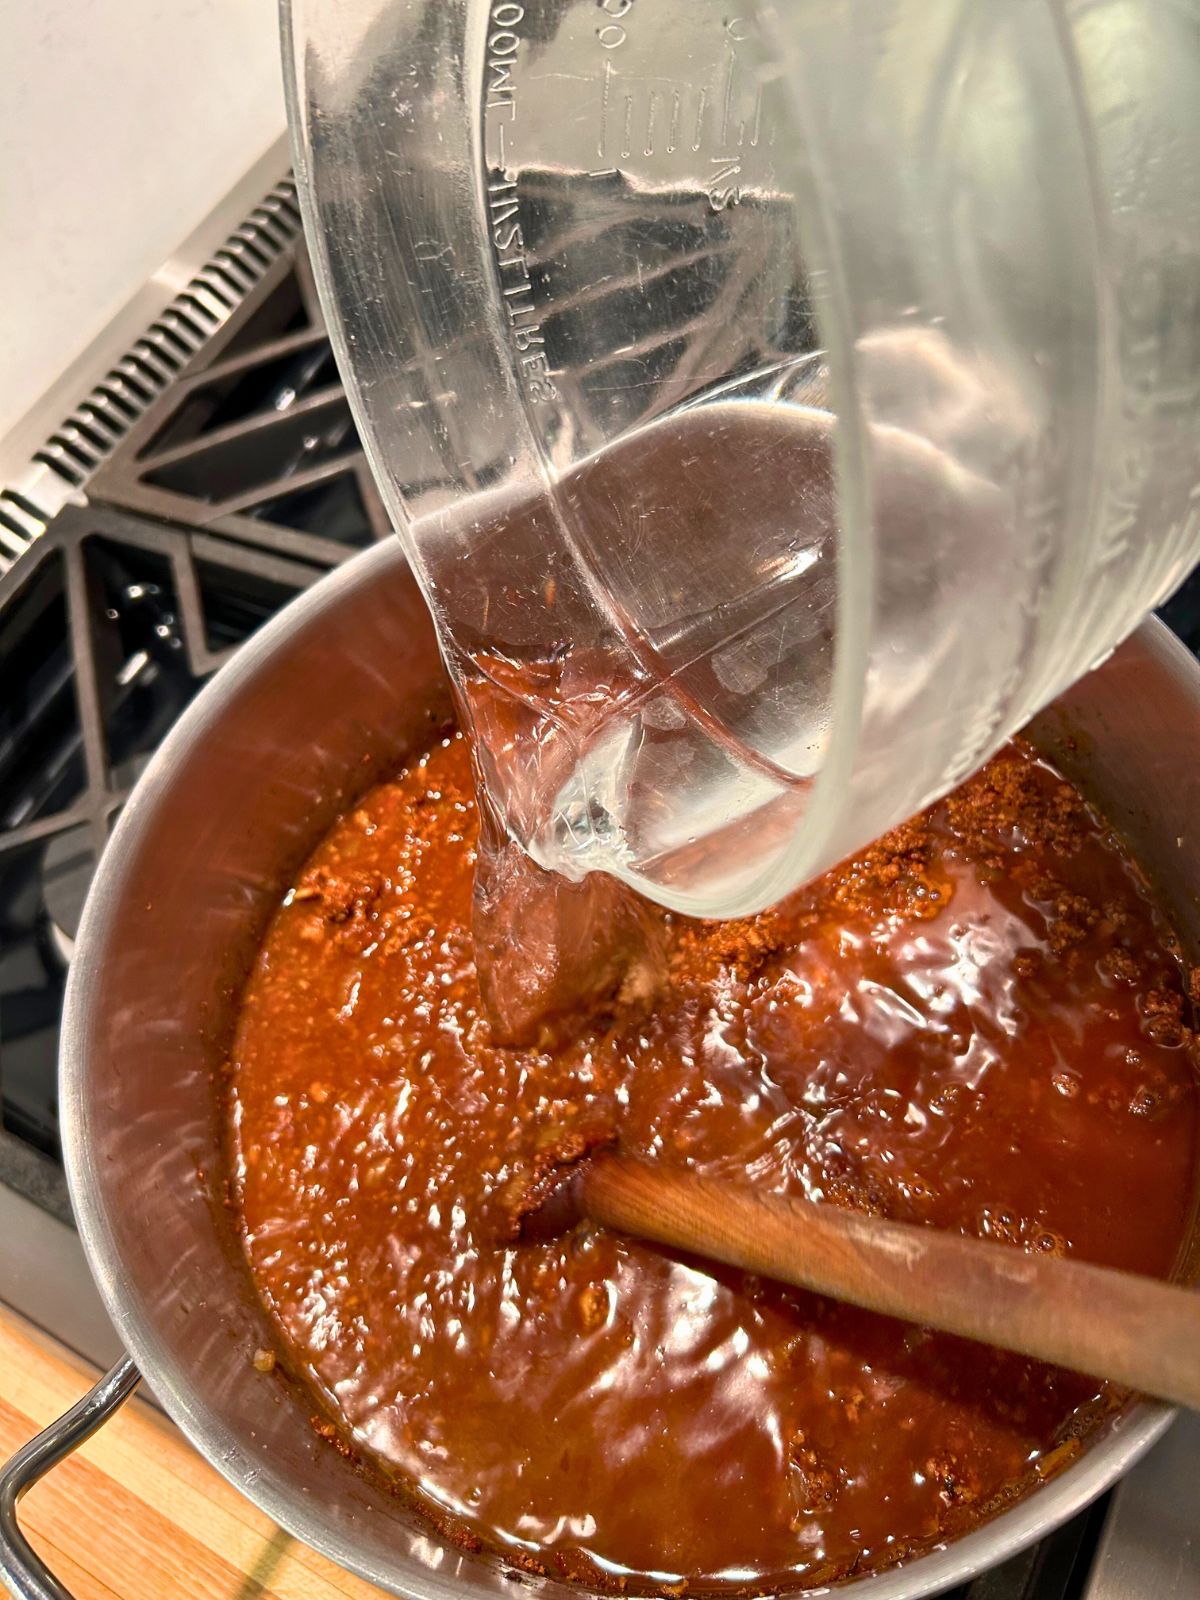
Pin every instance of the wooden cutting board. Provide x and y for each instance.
(136, 1513)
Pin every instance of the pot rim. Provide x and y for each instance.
(1040, 1511)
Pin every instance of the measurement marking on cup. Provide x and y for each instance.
(673, 135)
(516, 288)
(701, 108)
(503, 43)
(504, 206)
(723, 188)
(728, 99)
(653, 124)
(605, 83)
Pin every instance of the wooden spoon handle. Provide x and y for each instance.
(1135, 1331)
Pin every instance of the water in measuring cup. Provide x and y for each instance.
(678, 705)
(718, 535)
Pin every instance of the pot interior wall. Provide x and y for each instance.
(1127, 736)
(328, 698)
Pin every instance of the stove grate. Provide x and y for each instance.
(98, 425)
(110, 625)
(254, 442)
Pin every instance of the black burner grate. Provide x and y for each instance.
(110, 624)
(254, 441)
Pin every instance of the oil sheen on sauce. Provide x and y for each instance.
(979, 1024)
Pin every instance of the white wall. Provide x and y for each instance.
(122, 123)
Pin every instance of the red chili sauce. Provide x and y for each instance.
(979, 1024)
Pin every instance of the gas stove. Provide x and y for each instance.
(208, 478)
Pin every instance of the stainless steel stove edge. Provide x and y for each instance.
(45, 1279)
(1150, 1546)
(46, 462)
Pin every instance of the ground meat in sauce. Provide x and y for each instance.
(980, 1024)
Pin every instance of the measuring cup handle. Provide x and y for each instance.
(23, 1571)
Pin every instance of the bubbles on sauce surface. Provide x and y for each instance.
(980, 1024)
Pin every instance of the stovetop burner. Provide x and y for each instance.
(235, 488)
(108, 626)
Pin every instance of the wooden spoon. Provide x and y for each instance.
(1136, 1331)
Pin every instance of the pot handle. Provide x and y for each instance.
(22, 1570)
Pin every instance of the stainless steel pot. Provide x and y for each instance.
(310, 712)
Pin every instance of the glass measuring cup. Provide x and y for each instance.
(779, 403)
